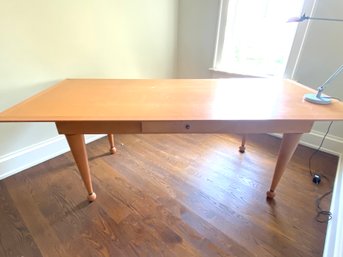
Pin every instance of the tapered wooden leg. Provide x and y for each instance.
(242, 147)
(111, 140)
(288, 145)
(78, 149)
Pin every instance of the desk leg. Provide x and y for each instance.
(288, 145)
(78, 149)
(242, 147)
(111, 141)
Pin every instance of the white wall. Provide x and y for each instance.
(321, 55)
(43, 42)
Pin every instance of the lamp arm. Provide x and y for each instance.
(304, 17)
(321, 19)
(321, 87)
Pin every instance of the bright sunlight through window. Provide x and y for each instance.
(254, 37)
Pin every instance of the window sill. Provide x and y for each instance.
(216, 73)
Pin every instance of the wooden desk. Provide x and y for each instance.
(245, 106)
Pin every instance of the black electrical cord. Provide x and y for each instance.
(317, 150)
(323, 216)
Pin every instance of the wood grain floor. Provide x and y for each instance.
(167, 195)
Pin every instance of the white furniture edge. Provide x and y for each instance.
(333, 242)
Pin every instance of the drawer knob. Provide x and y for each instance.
(188, 126)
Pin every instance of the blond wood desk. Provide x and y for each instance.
(93, 106)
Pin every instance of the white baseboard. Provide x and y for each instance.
(332, 144)
(27, 157)
(334, 235)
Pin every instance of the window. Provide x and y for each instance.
(254, 37)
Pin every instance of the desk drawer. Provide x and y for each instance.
(188, 127)
(232, 126)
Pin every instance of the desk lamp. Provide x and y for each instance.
(318, 98)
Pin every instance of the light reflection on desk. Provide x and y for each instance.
(246, 101)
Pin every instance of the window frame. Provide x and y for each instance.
(296, 48)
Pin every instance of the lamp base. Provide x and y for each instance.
(312, 98)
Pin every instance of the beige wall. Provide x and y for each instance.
(196, 37)
(43, 42)
(321, 55)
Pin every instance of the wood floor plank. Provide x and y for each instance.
(20, 190)
(141, 205)
(304, 217)
(236, 193)
(16, 239)
(167, 195)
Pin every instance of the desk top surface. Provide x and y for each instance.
(172, 99)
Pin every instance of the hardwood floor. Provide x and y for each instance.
(167, 195)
